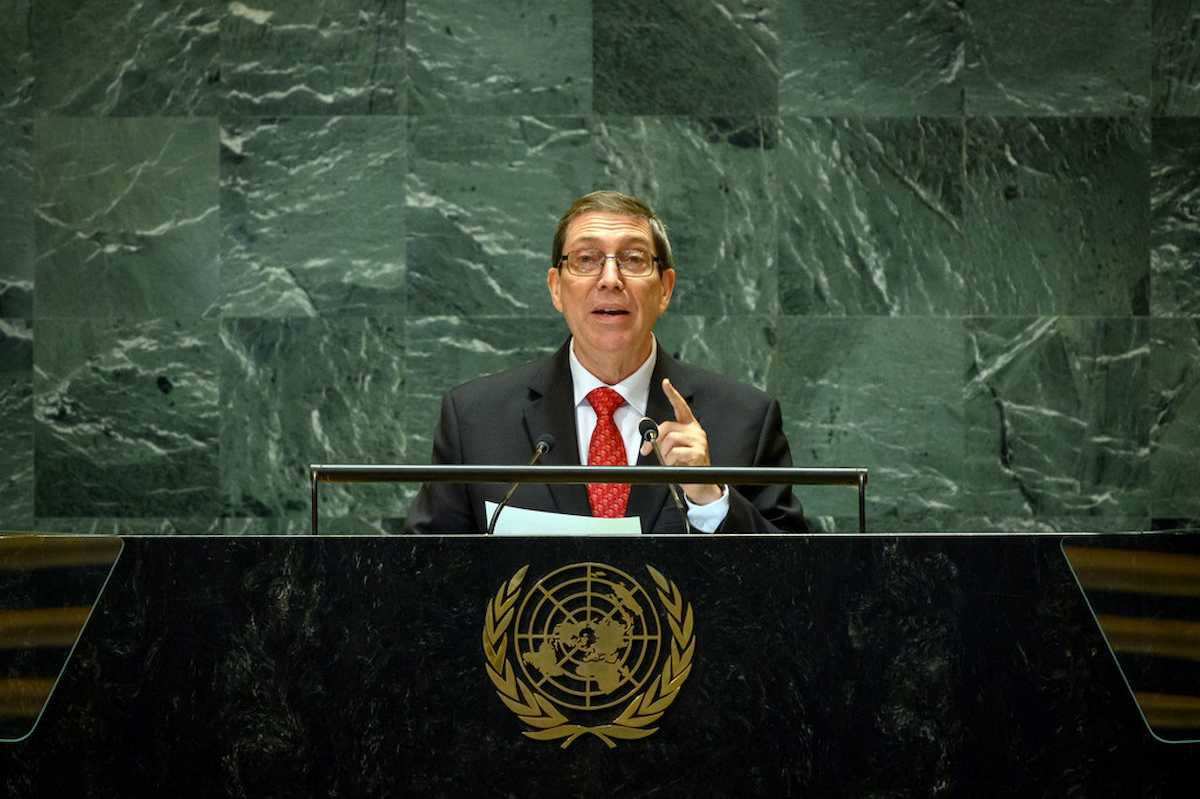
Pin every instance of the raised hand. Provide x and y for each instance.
(683, 442)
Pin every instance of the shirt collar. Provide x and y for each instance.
(635, 388)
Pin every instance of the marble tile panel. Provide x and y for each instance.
(446, 351)
(16, 59)
(680, 57)
(482, 201)
(961, 521)
(880, 393)
(16, 425)
(16, 218)
(1175, 218)
(300, 391)
(1057, 215)
(126, 418)
(312, 216)
(1020, 523)
(872, 217)
(1176, 62)
(301, 524)
(211, 525)
(871, 58)
(711, 181)
(1174, 402)
(1072, 57)
(109, 58)
(743, 348)
(126, 217)
(313, 57)
(296, 524)
(1057, 423)
(499, 57)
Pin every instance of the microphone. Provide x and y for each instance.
(545, 443)
(649, 432)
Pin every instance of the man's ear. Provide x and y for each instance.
(668, 283)
(552, 283)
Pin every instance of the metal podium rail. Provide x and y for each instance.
(641, 475)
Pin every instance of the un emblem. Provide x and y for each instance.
(587, 638)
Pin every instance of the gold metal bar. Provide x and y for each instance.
(1167, 638)
(1136, 571)
(30, 552)
(41, 627)
(1170, 710)
(23, 697)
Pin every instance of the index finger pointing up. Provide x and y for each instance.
(683, 413)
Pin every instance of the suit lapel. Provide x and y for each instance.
(551, 409)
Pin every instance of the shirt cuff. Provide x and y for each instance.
(707, 518)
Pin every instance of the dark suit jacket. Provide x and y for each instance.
(496, 420)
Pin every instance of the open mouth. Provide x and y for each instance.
(610, 312)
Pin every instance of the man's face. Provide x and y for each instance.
(610, 316)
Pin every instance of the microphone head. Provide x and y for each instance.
(545, 442)
(648, 429)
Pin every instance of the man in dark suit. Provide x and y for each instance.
(611, 276)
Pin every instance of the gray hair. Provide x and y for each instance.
(614, 202)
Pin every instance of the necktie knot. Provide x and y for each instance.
(604, 401)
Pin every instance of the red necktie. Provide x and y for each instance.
(606, 449)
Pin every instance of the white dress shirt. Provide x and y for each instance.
(635, 389)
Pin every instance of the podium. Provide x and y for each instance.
(815, 665)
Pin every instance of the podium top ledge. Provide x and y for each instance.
(736, 475)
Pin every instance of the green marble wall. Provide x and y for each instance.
(959, 241)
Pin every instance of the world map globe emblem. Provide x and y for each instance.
(587, 636)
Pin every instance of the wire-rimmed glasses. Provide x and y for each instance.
(590, 262)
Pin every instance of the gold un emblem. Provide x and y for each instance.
(587, 639)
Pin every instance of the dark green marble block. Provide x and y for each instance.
(1057, 216)
(126, 418)
(872, 219)
(1056, 422)
(1174, 417)
(499, 57)
(107, 58)
(1175, 217)
(678, 57)
(312, 216)
(16, 58)
(875, 57)
(301, 391)
(16, 425)
(126, 217)
(312, 57)
(1176, 67)
(16, 218)
(1069, 57)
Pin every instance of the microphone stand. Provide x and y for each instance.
(544, 444)
(650, 436)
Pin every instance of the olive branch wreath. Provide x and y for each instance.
(537, 711)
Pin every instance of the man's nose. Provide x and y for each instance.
(610, 273)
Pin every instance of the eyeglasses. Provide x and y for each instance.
(630, 263)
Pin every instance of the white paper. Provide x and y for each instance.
(522, 521)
